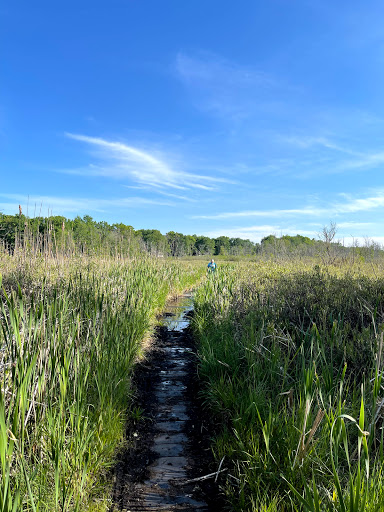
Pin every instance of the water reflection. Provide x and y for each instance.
(174, 316)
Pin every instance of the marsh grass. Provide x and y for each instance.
(71, 331)
(291, 361)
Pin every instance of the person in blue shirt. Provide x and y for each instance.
(211, 266)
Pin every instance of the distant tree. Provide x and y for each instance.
(178, 244)
(88, 236)
(10, 225)
(204, 245)
(222, 245)
(268, 241)
(85, 233)
(155, 243)
(124, 239)
(189, 242)
(241, 247)
(327, 235)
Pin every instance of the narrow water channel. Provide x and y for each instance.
(161, 469)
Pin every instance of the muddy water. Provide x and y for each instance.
(174, 318)
(161, 491)
(156, 474)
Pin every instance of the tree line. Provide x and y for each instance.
(86, 235)
(90, 236)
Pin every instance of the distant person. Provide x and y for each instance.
(211, 266)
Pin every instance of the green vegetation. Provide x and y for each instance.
(86, 236)
(291, 357)
(58, 235)
(71, 331)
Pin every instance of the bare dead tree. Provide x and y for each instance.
(327, 236)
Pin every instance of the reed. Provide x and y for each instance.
(71, 332)
(291, 364)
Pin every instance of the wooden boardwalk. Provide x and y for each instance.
(165, 484)
(164, 490)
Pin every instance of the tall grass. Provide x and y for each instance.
(71, 331)
(291, 361)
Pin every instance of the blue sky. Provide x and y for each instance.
(220, 118)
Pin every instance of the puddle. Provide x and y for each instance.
(174, 319)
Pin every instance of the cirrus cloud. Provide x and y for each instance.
(123, 161)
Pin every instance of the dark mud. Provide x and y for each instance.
(169, 443)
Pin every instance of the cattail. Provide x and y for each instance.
(312, 432)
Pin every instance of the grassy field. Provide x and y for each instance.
(71, 331)
(291, 362)
(291, 366)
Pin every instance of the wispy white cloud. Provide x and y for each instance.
(332, 157)
(161, 192)
(254, 101)
(309, 142)
(208, 70)
(355, 225)
(353, 205)
(264, 213)
(363, 161)
(221, 86)
(122, 161)
(40, 204)
(350, 205)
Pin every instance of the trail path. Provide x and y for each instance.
(171, 444)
